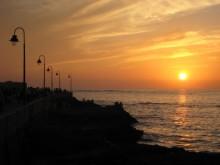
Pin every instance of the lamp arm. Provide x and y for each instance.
(22, 29)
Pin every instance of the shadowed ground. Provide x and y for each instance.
(85, 133)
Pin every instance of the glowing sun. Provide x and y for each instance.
(183, 76)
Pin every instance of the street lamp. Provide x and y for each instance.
(14, 40)
(71, 86)
(50, 69)
(39, 62)
(58, 74)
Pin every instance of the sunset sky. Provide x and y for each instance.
(108, 44)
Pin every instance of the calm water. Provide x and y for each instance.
(187, 119)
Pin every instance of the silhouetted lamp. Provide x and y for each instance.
(44, 63)
(70, 78)
(14, 40)
(39, 61)
(58, 74)
(50, 69)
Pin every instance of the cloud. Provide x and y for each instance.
(121, 27)
(85, 60)
(189, 39)
(138, 21)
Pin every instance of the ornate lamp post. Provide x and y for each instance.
(71, 85)
(50, 69)
(44, 62)
(14, 40)
(58, 74)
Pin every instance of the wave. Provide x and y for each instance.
(198, 105)
(148, 103)
(152, 103)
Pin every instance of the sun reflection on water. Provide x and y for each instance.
(182, 99)
(181, 121)
(181, 111)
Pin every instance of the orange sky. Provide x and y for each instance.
(114, 43)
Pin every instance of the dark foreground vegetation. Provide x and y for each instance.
(83, 133)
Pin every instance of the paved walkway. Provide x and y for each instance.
(7, 109)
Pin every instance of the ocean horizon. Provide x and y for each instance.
(187, 119)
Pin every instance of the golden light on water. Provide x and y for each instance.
(181, 120)
(180, 117)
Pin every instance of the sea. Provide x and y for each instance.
(188, 119)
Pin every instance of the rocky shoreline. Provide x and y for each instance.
(82, 132)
